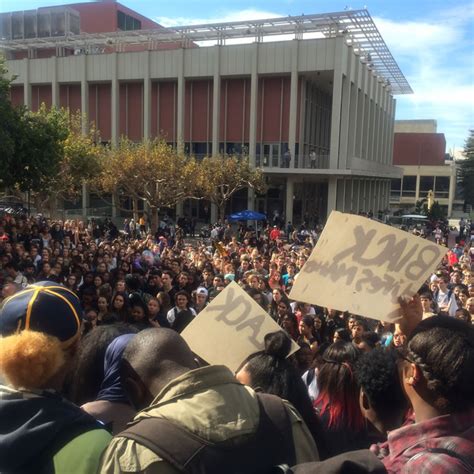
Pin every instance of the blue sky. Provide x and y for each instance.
(432, 41)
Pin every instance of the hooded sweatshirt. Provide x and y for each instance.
(42, 432)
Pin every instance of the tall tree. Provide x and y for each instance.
(80, 159)
(9, 127)
(223, 176)
(152, 172)
(467, 170)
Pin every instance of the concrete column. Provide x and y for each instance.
(85, 200)
(452, 189)
(369, 111)
(289, 199)
(84, 96)
(180, 104)
(251, 199)
(213, 213)
(114, 205)
(26, 83)
(346, 106)
(253, 106)
(417, 189)
(332, 194)
(216, 101)
(179, 209)
(115, 103)
(293, 102)
(361, 112)
(354, 104)
(147, 99)
(393, 110)
(336, 105)
(54, 83)
(301, 131)
(383, 134)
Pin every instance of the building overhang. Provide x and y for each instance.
(356, 26)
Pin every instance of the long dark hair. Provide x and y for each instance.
(338, 390)
(272, 372)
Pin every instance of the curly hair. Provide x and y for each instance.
(376, 373)
(30, 359)
(443, 348)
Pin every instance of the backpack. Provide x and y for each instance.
(269, 450)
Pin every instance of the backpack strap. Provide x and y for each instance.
(274, 414)
(166, 439)
(272, 444)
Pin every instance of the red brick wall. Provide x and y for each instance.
(235, 97)
(70, 97)
(131, 110)
(163, 110)
(100, 108)
(419, 149)
(274, 99)
(17, 95)
(40, 94)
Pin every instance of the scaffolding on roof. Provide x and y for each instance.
(357, 27)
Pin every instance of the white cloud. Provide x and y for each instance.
(227, 16)
(435, 57)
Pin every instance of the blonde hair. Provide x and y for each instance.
(30, 359)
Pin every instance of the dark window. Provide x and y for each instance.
(395, 189)
(442, 187)
(409, 186)
(426, 184)
(126, 22)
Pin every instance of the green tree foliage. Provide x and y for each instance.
(31, 143)
(467, 170)
(9, 125)
(44, 152)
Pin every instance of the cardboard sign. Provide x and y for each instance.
(362, 266)
(230, 328)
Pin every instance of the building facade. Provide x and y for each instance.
(310, 99)
(420, 152)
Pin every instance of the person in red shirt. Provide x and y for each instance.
(275, 233)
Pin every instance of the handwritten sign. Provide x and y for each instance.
(230, 328)
(362, 266)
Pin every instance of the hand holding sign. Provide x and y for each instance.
(230, 328)
(362, 266)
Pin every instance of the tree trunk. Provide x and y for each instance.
(221, 211)
(154, 219)
(135, 209)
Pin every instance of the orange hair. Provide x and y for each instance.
(30, 359)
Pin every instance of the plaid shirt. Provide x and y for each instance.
(407, 449)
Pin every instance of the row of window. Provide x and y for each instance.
(126, 22)
(406, 187)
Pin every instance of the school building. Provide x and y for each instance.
(317, 89)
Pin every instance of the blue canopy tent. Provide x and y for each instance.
(247, 215)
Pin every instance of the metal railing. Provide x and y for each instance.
(302, 162)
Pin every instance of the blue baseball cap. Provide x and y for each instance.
(45, 307)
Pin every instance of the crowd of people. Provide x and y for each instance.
(91, 317)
